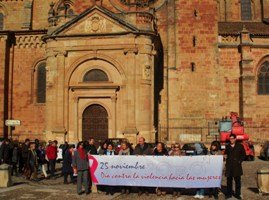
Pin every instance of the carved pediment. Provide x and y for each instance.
(94, 21)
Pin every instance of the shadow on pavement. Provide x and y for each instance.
(255, 190)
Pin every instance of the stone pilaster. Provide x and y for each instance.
(55, 101)
(247, 77)
(130, 125)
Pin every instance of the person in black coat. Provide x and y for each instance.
(6, 152)
(67, 164)
(24, 152)
(90, 147)
(41, 154)
(142, 148)
(32, 162)
(235, 156)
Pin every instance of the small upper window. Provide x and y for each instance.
(1, 21)
(246, 10)
(263, 79)
(95, 75)
(41, 83)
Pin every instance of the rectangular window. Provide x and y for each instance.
(246, 10)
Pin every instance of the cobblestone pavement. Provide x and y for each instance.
(56, 190)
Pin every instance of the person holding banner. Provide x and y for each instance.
(125, 151)
(199, 151)
(109, 152)
(142, 148)
(235, 156)
(160, 150)
(81, 163)
(215, 149)
(176, 152)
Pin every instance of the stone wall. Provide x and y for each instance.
(26, 55)
(205, 75)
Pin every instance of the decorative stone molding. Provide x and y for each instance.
(227, 39)
(55, 53)
(125, 5)
(29, 41)
(131, 50)
(95, 24)
(146, 72)
(3, 38)
(144, 18)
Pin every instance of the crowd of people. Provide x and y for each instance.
(28, 158)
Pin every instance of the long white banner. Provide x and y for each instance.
(157, 171)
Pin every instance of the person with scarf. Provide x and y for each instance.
(125, 151)
(81, 163)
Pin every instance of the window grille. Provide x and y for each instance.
(246, 10)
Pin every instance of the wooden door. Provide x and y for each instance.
(95, 123)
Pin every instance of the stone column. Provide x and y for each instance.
(247, 82)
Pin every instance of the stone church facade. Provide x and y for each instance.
(167, 70)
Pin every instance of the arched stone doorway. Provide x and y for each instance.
(95, 123)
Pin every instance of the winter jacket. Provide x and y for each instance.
(42, 157)
(32, 159)
(109, 153)
(6, 153)
(145, 150)
(125, 152)
(51, 152)
(24, 151)
(80, 164)
(67, 162)
(235, 157)
(157, 153)
(91, 149)
(15, 155)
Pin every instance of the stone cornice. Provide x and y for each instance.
(29, 41)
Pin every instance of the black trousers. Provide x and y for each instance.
(237, 181)
(52, 167)
(66, 175)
